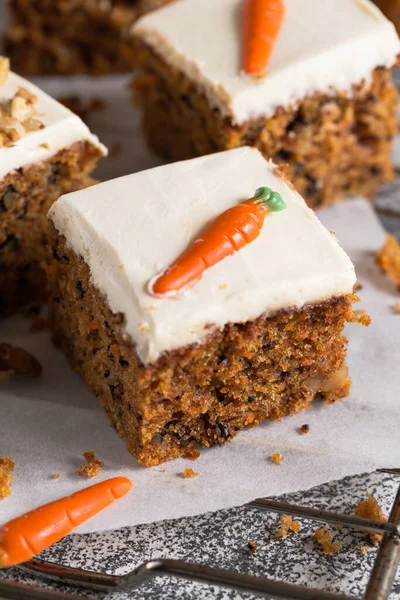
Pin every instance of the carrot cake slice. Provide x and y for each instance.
(248, 324)
(323, 100)
(73, 36)
(45, 151)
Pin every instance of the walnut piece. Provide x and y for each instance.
(93, 467)
(4, 69)
(16, 361)
(6, 467)
(388, 259)
(17, 117)
(323, 537)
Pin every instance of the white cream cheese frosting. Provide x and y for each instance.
(62, 128)
(323, 45)
(129, 229)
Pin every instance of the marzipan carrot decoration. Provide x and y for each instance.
(22, 538)
(231, 231)
(261, 23)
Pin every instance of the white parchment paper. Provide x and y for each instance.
(46, 425)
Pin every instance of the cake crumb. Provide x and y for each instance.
(388, 259)
(252, 547)
(55, 476)
(6, 467)
(361, 317)
(396, 308)
(304, 428)
(362, 549)
(4, 69)
(16, 361)
(287, 525)
(323, 537)
(370, 509)
(223, 286)
(120, 267)
(357, 287)
(277, 458)
(188, 473)
(93, 467)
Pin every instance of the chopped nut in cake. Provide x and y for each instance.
(6, 468)
(93, 466)
(323, 537)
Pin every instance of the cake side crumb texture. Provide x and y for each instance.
(144, 221)
(322, 46)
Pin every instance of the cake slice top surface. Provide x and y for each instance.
(129, 229)
(323, 46)
(59, 127)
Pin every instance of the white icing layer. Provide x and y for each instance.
(62, 128)
(323, 45)
(129, 229)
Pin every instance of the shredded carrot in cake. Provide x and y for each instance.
(389, 259)
(93, 466)
(6, 467)
(188, 473)
(370, 509)
(287, 525)
(323, 537)
(277, 458)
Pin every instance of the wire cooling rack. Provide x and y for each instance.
(378, 588)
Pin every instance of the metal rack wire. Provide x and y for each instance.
(378, 588)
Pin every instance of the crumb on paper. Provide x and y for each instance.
(357, 287)
(93, 466)
(252, 547)
(6, 467)
(287, 525)
(370, 509)
(388, 259)
(362, 549)
(361, 317)
(188, 473)
(223, 286)
(323, 537)
(16, 361)
(304, 428)
(120, 267)
(396, 308)
(55, 476)
(277, 458)
(4, 69)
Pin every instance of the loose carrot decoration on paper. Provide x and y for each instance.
(261, 23)
(24, 537)
(231, 231)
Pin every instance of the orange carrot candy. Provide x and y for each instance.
(228, 233)
(24, 537)
(261, 22)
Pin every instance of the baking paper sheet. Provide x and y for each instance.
(46, 424)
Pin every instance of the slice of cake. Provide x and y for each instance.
(45, 151)
(73, 36)
(324, 102)
(190, 355)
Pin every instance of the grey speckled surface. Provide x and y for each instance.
(221, 538)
